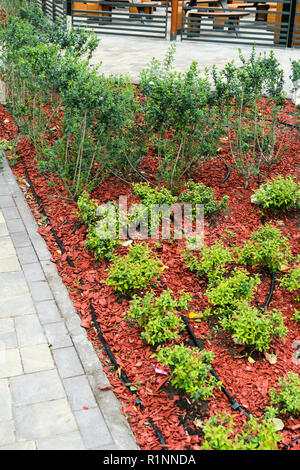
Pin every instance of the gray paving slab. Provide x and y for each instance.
(20, 239)
(67, 441)
(36, 357)
(44, 419)
(5, 399)
(22, 445)
(79, 392)
(67, 362)
(26, 255)
(47, 311)
(57, 335)
(16, 305)
(7, 432)
(33, 272)
(29, 330)
(36, 387)
(40, 291)
(93, 428)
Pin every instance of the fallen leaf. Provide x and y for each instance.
(278, 423)
(271, 358)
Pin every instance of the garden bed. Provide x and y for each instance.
(189, 142)
(180, 420)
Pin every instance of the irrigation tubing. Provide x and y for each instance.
(235, 405)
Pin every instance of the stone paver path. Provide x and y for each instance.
(127, 55)
(49, 371)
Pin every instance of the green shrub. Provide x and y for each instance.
(158, 316)
(296, 315)
(220, 434)
(103, 248)
(279, 194)
(291, 281)
(103, 230)
(150, 195)
(229, 291)
(287, 395)
(295, 74)
(257, 76)
(134, 271)
(87, 209)
(253, 328)
(190, 370)
(267, 248)
(198, 193)
(184, 129)
(213, 263)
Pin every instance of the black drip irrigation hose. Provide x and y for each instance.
(123, 376)
(228, 172)
(39, 202)
(234, 404)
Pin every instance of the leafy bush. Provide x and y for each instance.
(220, 434)
(150, 195)
(87, 209)
(287, 395)
(158, 316)
(213, 263)
(291, 281)
(295, 74)
(229, 291)
(198, 193)
(134, 271)
(258, 139)
(257, 76)
(103, 229)
(190, 370)
(254, 328)
(184, 129)
(44, 69)
(267, 247)
(279, 194)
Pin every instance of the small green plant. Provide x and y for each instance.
(103, 230)
(287, 394)
(158, 203)
(190, 370)
(150, 195)
(220, 434)
(253, 328)
(229, 291)
(134, 271)
(291, 281)
(87, 209)
(296, 315)
(279, 194)
(198, 193)
(267, 247)
(213, 263)
(158, 316)
(258, 75)
(295, 74)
